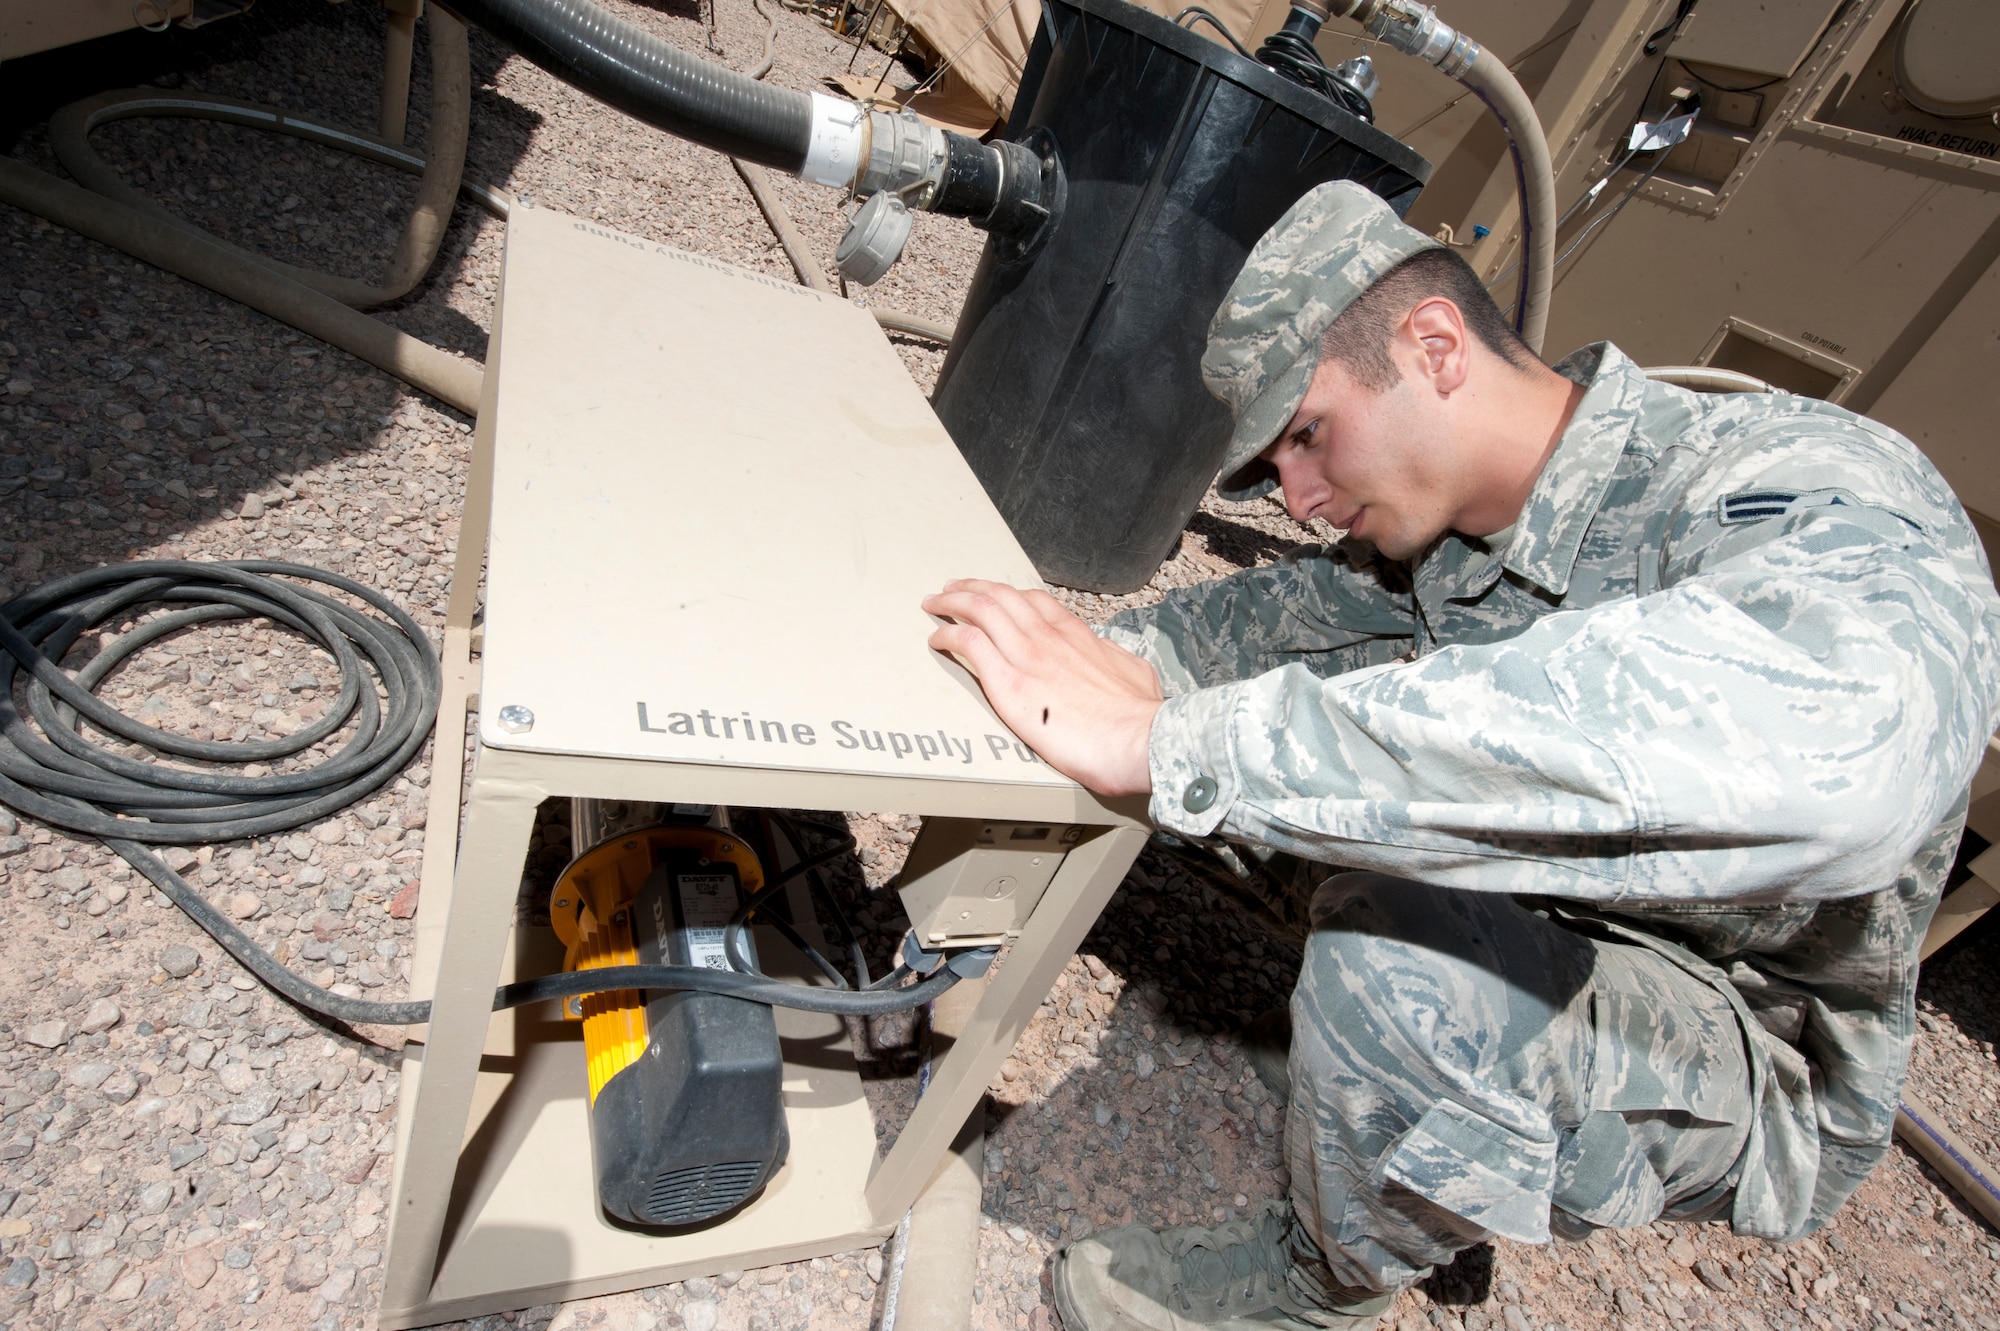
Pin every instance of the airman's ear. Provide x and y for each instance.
(1438, 344)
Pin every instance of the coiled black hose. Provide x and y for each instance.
(1295, 57)
(51, 771)
(646, 78)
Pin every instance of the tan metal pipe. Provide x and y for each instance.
(1923, 1130)
(400, 44)
(941, 1252)
(224, 270)
(1495, 84)
(423, 231)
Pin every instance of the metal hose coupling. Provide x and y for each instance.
(1414, 29)
(1007, 189)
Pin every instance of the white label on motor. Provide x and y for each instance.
(708, 903)
(834, 154)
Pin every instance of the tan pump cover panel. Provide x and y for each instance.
(1762, 36)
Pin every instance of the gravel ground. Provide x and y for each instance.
(182, 1151)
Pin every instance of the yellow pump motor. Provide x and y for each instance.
(686, 1107)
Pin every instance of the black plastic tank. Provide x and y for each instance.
(1073, 386)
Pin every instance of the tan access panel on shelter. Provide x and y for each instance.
(1762, 36)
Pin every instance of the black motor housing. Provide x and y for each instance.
(695, 1126)
(1073, 385)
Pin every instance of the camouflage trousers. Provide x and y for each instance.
(1463, 1066)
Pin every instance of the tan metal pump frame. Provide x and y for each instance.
(493, 1205)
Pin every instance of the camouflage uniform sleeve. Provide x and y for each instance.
(1327, 608)
(1729, 735)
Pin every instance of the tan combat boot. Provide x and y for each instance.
(1261, 1273)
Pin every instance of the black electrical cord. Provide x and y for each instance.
(1724, 87)
(777, 993)
(1584, 200)
(1295, 57)
(1613, 211)
(1671, 31)
(51, 771)
(1180, 20)
(737, 949)
(816, 881)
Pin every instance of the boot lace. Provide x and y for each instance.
(1251, 1255)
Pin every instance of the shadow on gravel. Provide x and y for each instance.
(1240, 544)
(687, 9)
(1175, 929)
(135, 406)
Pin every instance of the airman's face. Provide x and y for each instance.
(1362, 460)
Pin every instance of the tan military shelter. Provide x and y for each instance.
(984, 44)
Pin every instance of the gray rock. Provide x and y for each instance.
(180, 961)
(20, 1274)
(90, 1076)
(236, 1258)
(1712, 1275)
(306, 1271)
(102, 1274)
(700, 1315)
(12, 845)
(69, 878)
(155, 1198)
(101, 1016)
(119, 1087)
(185, 1154)
(9, 824)
(252, 1106)
(51, 1034)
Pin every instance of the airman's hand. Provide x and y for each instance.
(1084, 704)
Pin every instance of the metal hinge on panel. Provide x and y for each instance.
(968, 881)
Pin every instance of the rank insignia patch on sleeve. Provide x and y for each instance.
(1757, 505)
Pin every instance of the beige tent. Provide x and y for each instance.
(984, 46)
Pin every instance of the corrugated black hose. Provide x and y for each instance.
(650, 80)
(49, 770)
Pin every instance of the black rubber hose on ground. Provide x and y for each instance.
(650, 80)
(52, 771)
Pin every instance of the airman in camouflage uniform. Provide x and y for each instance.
(1652, 795)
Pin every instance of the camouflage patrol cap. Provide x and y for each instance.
(1263, 344)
